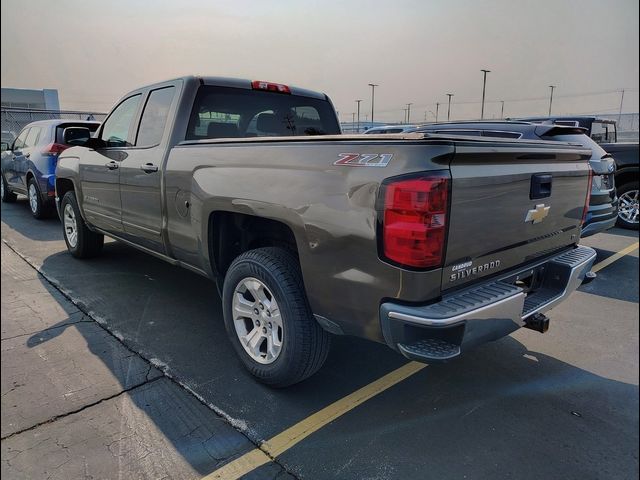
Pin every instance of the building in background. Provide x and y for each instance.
(46, 99)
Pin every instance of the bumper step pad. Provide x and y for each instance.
(430, 349)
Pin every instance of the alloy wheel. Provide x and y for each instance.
(257, 320)
(628, 206)
(70, 225)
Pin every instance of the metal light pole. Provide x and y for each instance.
(353, 119)
(502, 110)
(373, 94)
(484, 85)
(449, 108)
(404, 116)
(552, 87)
(620, 112)
(409, 112)
(358, 102)
(437, 108)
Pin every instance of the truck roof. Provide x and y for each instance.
(230, 82)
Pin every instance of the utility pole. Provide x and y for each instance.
(409, 112)
(437, 108)
(552, 87)
(502, 110)
(449, 108)
(373, 94)
(353, 119)
(358, 102)
(404, 117)
(620, 112)
(484, 85)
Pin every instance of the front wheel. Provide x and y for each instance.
(628, 206)
(81, 242)
(268, 318)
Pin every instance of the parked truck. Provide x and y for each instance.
(431, 244)
(626, 155)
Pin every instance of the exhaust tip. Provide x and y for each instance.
(538, 322)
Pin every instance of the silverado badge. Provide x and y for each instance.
(538, 214)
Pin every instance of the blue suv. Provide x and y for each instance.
(29, 164)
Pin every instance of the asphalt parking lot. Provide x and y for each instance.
(156, 360)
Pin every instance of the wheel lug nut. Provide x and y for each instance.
(270, 326)
(261, 307)
(255, 310)
(268, 313)
(257, 323)
(264, 330)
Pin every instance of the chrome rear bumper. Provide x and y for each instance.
(484, 312)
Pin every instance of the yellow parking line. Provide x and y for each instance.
(284, 441)
(616, 256)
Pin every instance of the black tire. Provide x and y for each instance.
(7, 195)
(87, 244)
(305, 344)
(41, 209)
(626, 188)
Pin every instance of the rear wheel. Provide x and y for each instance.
(268, 318)
(628, 206)
(81, 242)
(39, 209)
(7, 195)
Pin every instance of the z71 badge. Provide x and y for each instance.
(364, 159)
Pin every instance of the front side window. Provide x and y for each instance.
(226, 112)
(115, 131)
(154, 117)
(19, 143)
(32, 137)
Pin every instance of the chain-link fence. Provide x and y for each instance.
(14, 119)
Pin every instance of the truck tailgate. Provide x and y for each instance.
(512, 203)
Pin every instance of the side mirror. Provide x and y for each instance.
(76, 136)
(4, 146)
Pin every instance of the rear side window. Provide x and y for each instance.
(115, 131)
(225, 112)
(32, 137)
(154, 117)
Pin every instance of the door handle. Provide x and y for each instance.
(27, 155)
(148, 168)
(540, 186)
(111, 165)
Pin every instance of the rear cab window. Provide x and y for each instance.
(603, 132)
(227, 112)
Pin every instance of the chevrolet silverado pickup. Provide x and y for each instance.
(432, 244)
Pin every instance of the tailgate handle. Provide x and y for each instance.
(540, 186)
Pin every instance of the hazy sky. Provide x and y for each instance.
(95, 51)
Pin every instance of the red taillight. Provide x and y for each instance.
(270, 87)
(585, 210)
(415, 220)
(54, 149)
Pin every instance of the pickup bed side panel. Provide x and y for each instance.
(330, 209)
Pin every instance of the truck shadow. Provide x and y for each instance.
(173, 317)
(18, 217)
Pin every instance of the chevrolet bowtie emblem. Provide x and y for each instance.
(537, 214)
